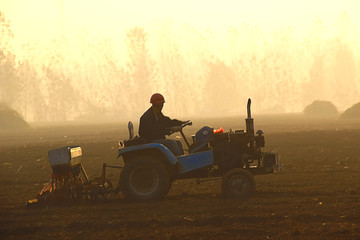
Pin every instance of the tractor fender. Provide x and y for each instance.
(139, 148)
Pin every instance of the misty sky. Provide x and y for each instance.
(37, 19)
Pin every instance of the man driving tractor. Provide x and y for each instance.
(154, 126)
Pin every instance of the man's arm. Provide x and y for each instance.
(170, 125)
(168, 122)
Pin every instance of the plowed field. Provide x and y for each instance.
(316, 196)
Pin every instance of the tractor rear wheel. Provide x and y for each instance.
(238, 183)
(144, 179)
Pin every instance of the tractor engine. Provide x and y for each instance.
(232, 149)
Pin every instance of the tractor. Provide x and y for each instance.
(149, 169)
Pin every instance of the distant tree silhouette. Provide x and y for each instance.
(219, 88)
(140, 69)
(344, 75)
(31, 100)
(60, 95)
(172, 73)
(9, 89)
(196, 69)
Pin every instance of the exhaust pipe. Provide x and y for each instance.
(249, 121)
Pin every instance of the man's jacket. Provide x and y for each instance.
(151, 128)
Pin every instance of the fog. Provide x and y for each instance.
(201, 71)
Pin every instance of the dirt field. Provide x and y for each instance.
(315, 197)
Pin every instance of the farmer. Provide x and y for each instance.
(154, 126)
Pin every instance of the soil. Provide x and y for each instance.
(352, 113)
(321, 109)
(10, 119)
(316, 196)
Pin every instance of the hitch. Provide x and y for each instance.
(198, 181)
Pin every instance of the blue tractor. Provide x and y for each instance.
(148, 170)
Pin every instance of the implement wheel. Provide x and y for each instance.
(104, 190)
(238, 183)
(144, 179)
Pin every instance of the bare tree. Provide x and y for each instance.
(140, 69)
(172, 68)
(219, 88)
(8, 79)
(60, 94)
(345, 76)
(31, 100)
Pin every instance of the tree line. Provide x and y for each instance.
(200, 75)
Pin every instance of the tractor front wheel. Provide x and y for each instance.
(144, 179)
(238, 183)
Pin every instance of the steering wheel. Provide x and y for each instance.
(186, 123)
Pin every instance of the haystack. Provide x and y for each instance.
(10, 119)
(323, 109)
(352, 112)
